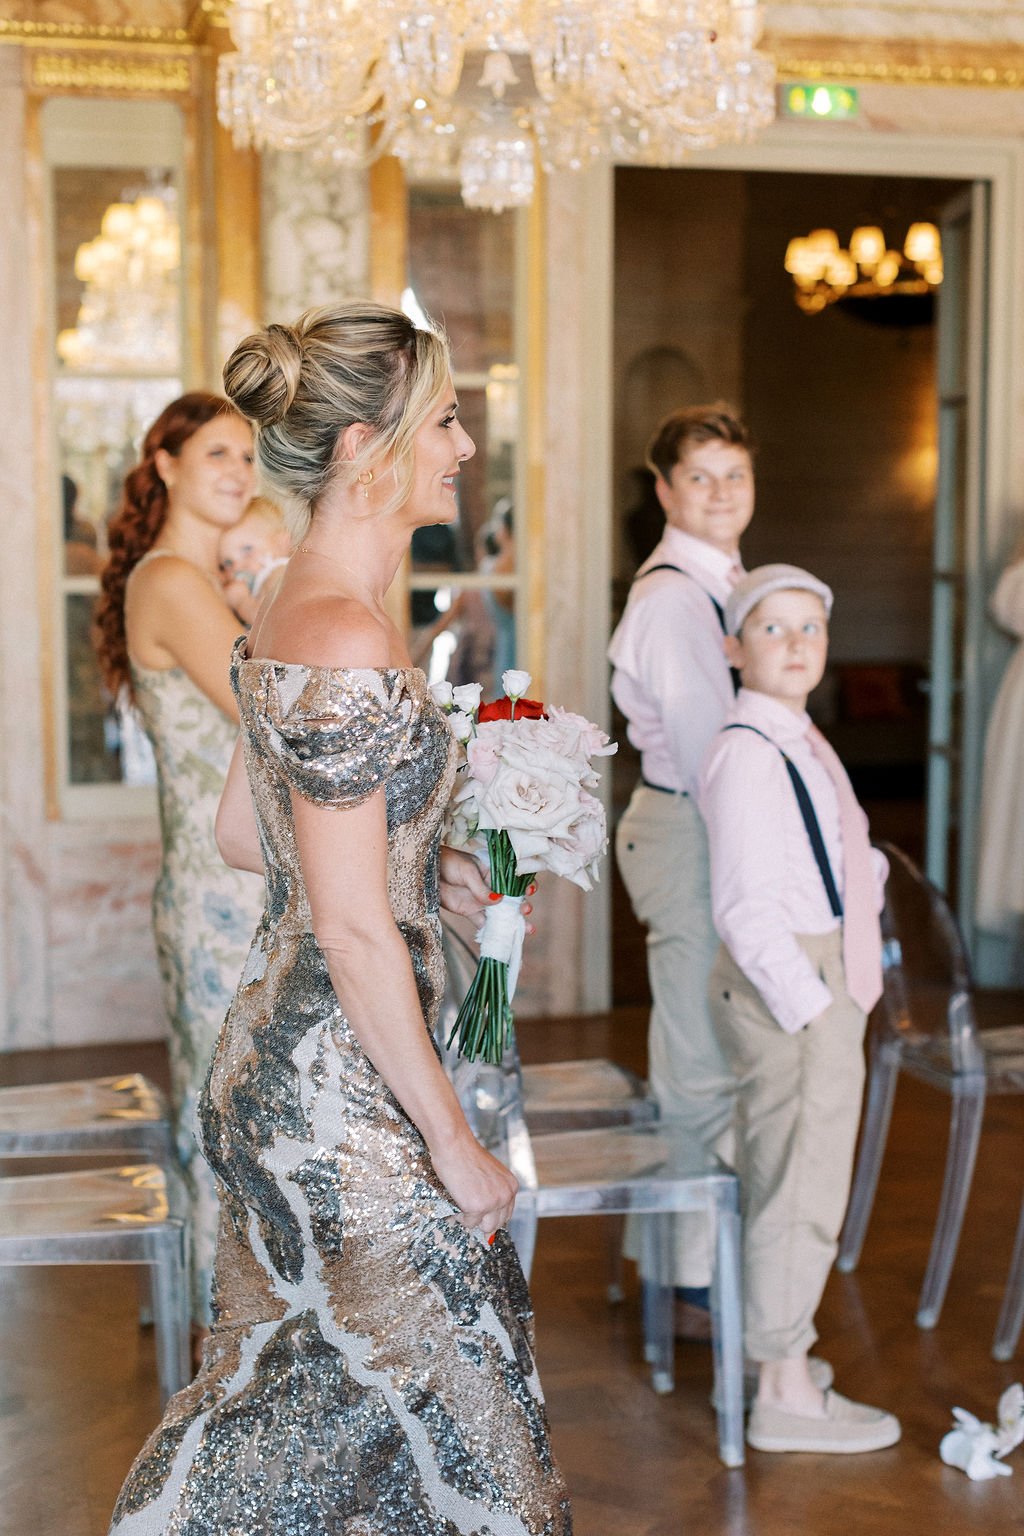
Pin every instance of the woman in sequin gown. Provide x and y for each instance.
(371, 1368)
(165, 634)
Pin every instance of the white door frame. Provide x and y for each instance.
(829, 151)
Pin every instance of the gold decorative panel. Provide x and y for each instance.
(889, 62)
(109, 73)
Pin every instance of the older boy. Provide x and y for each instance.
(795, 891)
(672, 683)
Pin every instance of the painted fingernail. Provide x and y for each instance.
(531, 889)
(493, 895)
(490, 1240)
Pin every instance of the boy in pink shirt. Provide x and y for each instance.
(795, 894)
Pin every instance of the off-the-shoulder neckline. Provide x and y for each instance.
(308, 666)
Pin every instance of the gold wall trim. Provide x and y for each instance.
(897, 63)
(42, 32)
(110, 73)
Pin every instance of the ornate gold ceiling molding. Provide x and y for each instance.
(109, 72)
(206, 15)
(47, 33)
(889, 62)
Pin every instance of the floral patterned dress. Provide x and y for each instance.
(204, 918)
(371, 1367)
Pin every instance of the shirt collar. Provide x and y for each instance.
(768, 715)
(696, 555)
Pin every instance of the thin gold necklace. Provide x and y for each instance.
(304, 549)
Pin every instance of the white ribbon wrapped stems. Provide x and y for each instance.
(501, 936)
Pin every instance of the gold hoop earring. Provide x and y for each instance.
(365, 478)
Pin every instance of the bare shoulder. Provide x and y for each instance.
(171, 581)
(325, 631)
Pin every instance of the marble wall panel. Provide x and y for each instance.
(104, 983)
(24, 999)
(316, 225)
(992, 22)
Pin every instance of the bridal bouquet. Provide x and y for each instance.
(523, 798)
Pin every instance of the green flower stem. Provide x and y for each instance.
(484, 1023)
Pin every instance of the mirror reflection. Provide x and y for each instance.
(117, 362)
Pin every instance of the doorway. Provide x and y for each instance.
(844, 407)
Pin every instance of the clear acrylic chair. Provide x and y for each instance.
(648, 1168)
(107, 1216)
(926, 1025)
(122, 1115)
(584, 1095)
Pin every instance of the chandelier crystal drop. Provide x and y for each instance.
(483, 88)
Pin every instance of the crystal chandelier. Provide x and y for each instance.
(128, 316)
(823, 272)
(487, 88)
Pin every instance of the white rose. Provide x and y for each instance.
(485, 750)
(461, 725)
(468, 697)
(522, 800)
(576, 855)
(461, 823)
(515, 683)
(443, 695)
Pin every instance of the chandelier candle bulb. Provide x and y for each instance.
(823, 241)
(922, 243)
(888, 269)
(867, 246)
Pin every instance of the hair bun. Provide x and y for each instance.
(262, 374)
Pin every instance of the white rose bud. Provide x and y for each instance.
(515, 683)
(468, 697)
(461, 725)
(443, 695)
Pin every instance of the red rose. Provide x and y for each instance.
(501, 709)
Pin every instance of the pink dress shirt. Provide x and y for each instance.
(671, 679)
(765, 885)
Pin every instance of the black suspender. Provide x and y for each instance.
(716, 605)
(810, 819)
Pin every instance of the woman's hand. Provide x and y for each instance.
(463, 889)
(483, 1189)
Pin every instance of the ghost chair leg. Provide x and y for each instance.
(964, 1131)
(1011, 1317)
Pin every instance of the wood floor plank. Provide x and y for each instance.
(78, 1389)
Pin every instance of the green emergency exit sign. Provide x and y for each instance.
(826, 103)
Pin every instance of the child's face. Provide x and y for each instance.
(250, 546)
(710, 494)
(783, 646)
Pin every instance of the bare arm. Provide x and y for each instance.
(175, 617)
(343, 854)
(235, 829)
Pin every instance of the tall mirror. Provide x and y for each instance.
(117, 350)
(465, 577)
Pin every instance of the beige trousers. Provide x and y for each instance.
(662, 851)
(798, 1111)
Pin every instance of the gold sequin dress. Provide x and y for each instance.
(371, 1370)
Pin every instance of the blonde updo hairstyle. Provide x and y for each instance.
(301, 385)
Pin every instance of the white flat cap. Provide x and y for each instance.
(758, 583)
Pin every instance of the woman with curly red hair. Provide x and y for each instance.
(164, 634)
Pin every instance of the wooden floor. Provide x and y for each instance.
(77, 1389)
